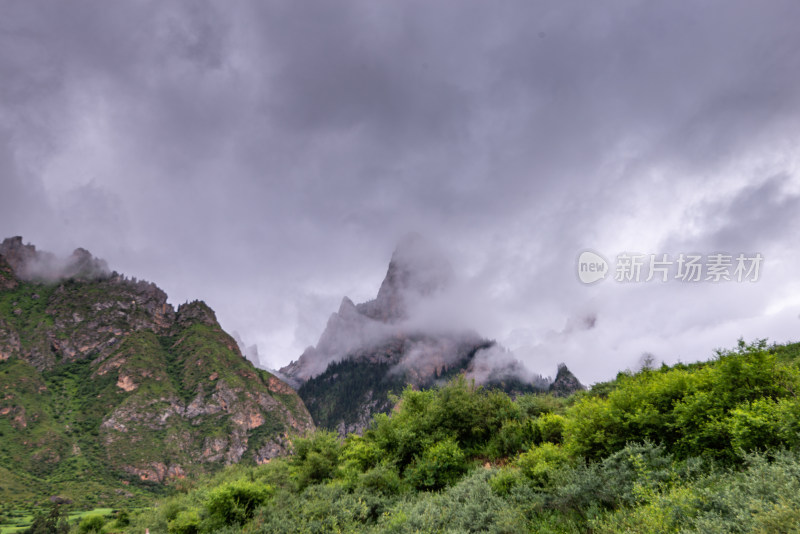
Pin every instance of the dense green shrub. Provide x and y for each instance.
(504, 480)
(438, 466)
(540, 463)
(513, 437)
(687, 409)
(122, 519)
(533, 405)
(550, 427)
(234, 503)
(185, 522)
(315, 458)
(91, 524)
(460, 411)
(469, 506)
(765, 424)
(359, 454)
(320, 508)
(765, 497)
(381, 480)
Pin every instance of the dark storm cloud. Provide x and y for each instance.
(756, 218)
(266, 156)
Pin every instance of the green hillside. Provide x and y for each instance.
(107, 393)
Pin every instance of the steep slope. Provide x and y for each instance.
(105, 389)
(372, 350)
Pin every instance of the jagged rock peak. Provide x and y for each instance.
(17, 254)
(565, 383)
(347, 307)
(417, 269)
(31, 264)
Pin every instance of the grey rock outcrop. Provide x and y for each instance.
(565, 383)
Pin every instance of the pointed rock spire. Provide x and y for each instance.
(565, 383)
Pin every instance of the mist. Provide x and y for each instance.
(31, 264)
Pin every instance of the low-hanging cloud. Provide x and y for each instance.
(31, 264)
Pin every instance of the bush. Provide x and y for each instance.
(440, 465)
(470, 506)
(319, 508)
(91, 523)
(551, 427)
(541, 462)
(358, 456)
(765, 424)
(185, 522)
(514, 437)
(687, 409)
(765, 497)
(635, 472)
(534, 405)
(381, 480)
(460, 411)
(504, 480)
(315, 458)
(234, 503)
(123, 519)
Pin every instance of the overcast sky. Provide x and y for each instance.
(267, 156)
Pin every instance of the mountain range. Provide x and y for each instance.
(108, 391)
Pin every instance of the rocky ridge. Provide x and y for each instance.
(106, 372)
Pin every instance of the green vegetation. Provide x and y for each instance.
(708, 447)
(349, 391)
(57, 517)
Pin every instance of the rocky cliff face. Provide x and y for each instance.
(100, 372)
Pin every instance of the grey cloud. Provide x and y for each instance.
(256, 154)
(758, 216)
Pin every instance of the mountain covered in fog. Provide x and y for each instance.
(106, 390)
(371, 350)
